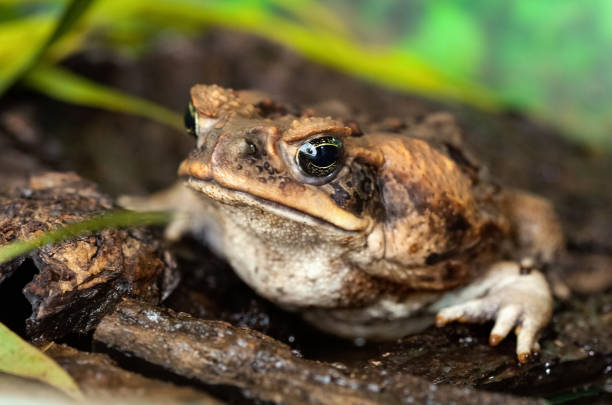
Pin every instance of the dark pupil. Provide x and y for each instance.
(190, 119)
(319, 157)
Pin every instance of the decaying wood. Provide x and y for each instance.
(215, 352)
(80, 280)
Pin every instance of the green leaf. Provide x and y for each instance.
(24, 41)
(19, 43)
(70, 16)
(449, 38)
(114, 219)
(66, 86)
(18, 357)
(325, 41)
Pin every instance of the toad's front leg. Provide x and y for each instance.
(514, 299)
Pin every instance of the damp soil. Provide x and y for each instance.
(273, 355)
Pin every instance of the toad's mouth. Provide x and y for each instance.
(291, 199)
(231, 196)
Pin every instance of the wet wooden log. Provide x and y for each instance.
(100, 379)
(215, 352)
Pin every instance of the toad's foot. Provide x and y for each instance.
(512, 299)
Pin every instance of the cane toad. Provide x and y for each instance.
(368, 233)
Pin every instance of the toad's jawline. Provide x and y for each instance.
(207, 185)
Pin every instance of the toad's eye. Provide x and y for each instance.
(191, 119)
(319, 157)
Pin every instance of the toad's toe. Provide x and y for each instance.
(506, 320)
(473, 311)
(527, 341)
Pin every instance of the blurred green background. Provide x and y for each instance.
(549, 60)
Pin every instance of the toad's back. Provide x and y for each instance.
(438, 213)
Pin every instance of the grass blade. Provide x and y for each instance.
(63, 85)
(115, 219)
(69, 17)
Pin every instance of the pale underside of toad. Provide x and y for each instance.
(366, 233)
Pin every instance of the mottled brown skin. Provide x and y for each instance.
(409, 224)
(435, 213)
(424, 199)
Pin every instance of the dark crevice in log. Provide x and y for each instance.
(15, 308)
(79, 341)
